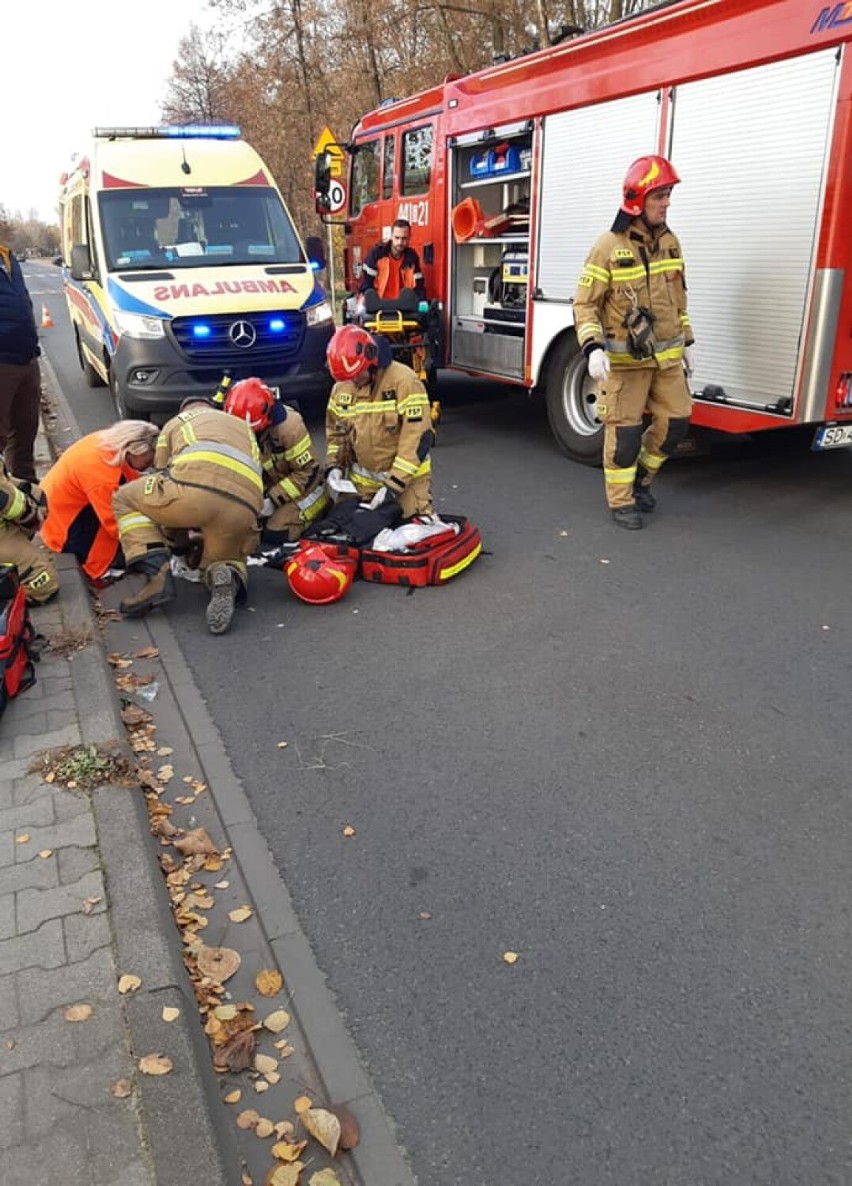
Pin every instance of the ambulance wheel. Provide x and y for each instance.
(121, 409)
(90, 376)
(572, 405)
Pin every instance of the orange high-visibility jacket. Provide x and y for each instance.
(79, 488)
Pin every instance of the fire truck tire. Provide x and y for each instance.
(571, 404)
(90, 376)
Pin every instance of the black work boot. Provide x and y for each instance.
(628, 518)
(222, 583)
(642, 495)
(158, 590)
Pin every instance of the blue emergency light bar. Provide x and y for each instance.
(171, 132)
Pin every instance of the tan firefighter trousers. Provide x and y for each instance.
(33, 562)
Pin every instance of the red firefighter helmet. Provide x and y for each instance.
(252, 401)
(351, 353)
(320, 573)
(645, 174)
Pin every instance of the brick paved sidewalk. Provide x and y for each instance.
(81, 903)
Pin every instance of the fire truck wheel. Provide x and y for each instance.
(572, 404)
(90, 376)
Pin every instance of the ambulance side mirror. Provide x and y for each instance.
(316, 252)
(81, 262)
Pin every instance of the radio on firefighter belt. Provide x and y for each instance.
(639, 323)
(218, 397)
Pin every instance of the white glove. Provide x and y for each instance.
(598, 365)
(337, 484)
(381, 496)
(267, 508)
(689, 359)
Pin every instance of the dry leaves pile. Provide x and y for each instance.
(233, 1028)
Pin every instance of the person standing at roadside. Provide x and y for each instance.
(20, 377)
(633, 326)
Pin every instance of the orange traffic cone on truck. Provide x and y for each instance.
(46, 319)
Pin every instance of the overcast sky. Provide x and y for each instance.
(70, 67)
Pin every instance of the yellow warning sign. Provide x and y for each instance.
(327, 142)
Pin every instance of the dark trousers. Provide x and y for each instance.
(20, 405)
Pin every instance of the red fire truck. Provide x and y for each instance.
(508, 176)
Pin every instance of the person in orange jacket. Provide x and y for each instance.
(79, 489)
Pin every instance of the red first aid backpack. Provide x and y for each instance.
(433, 561)
(19, 643)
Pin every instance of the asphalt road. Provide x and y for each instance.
(623, 756)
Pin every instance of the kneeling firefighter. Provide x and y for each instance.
(378, 426)
(634, 329)
(208, 478)
(293, 486)
(22, 507)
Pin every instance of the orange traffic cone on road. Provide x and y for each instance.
(46, 319)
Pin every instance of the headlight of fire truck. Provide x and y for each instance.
(319, 314)
(136, 325)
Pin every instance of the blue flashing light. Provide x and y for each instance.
(315, 267)
(200, 330)
(203, 131)
(277, 325)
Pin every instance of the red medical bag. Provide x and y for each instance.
(433, 561)
(18, 639)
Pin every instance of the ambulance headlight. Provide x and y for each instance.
(319, 314)
(136, 325)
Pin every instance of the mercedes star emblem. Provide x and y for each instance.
(242, 334)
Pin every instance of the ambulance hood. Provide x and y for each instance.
(188, 292)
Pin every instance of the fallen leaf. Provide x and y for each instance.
(246, 1179)
(288, 1150)
(326, 1177)
(510, 957)
(195, 843)
(276, 1021)
(323, 1127)
(272, 1077)
(78, 1012)
(302, 1103)
(348, 830)
(121, 1089)
(155, 1064)
(164, 751)
(134, 715)
(285, 1130)
(425, 914)
(285, 1049)
(50, 776)
(24, 838)
(264, 1063)
(240, 914)
(219, 963)
(128, 983)
(161, 825)
(350, 1134)
(45, 853)
(170, 1013)
(283, 744)
(221, 885)
(264, 1128)
(225, 1012)
(89, 904)
(284, 1175)
(166, 773)
(146, 653)
(247, 1119)
(237, 1054)
(233, 1097)
(269, 982)
(260, 1086)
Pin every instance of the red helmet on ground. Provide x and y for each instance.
(351, 353)
(252, 401)
(320, 574)
(645, 174)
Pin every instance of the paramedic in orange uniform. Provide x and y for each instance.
(79, 489)
(392, 266)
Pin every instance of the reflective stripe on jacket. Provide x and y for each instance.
(382, 273)
(211, 450)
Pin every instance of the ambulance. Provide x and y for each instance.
(181, 262)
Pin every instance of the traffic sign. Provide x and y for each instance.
(336, 196)
(327, 142)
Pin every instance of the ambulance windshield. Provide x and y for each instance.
(196, 228)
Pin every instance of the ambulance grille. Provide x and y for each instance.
(233, 338)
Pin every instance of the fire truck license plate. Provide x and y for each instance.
(833, 436)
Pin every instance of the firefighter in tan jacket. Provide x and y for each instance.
(292, 478)
(633, 326)
(378, 426)
(21, 510)
(208, 478)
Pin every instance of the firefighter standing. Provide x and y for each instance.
(378, 426)
(292, 477)
(633, 326)
(22, 507)
(208, 478)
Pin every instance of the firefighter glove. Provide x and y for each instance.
(267, 508)
(382, 495)
(338, 485)
(598, 364)
(689, 359)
